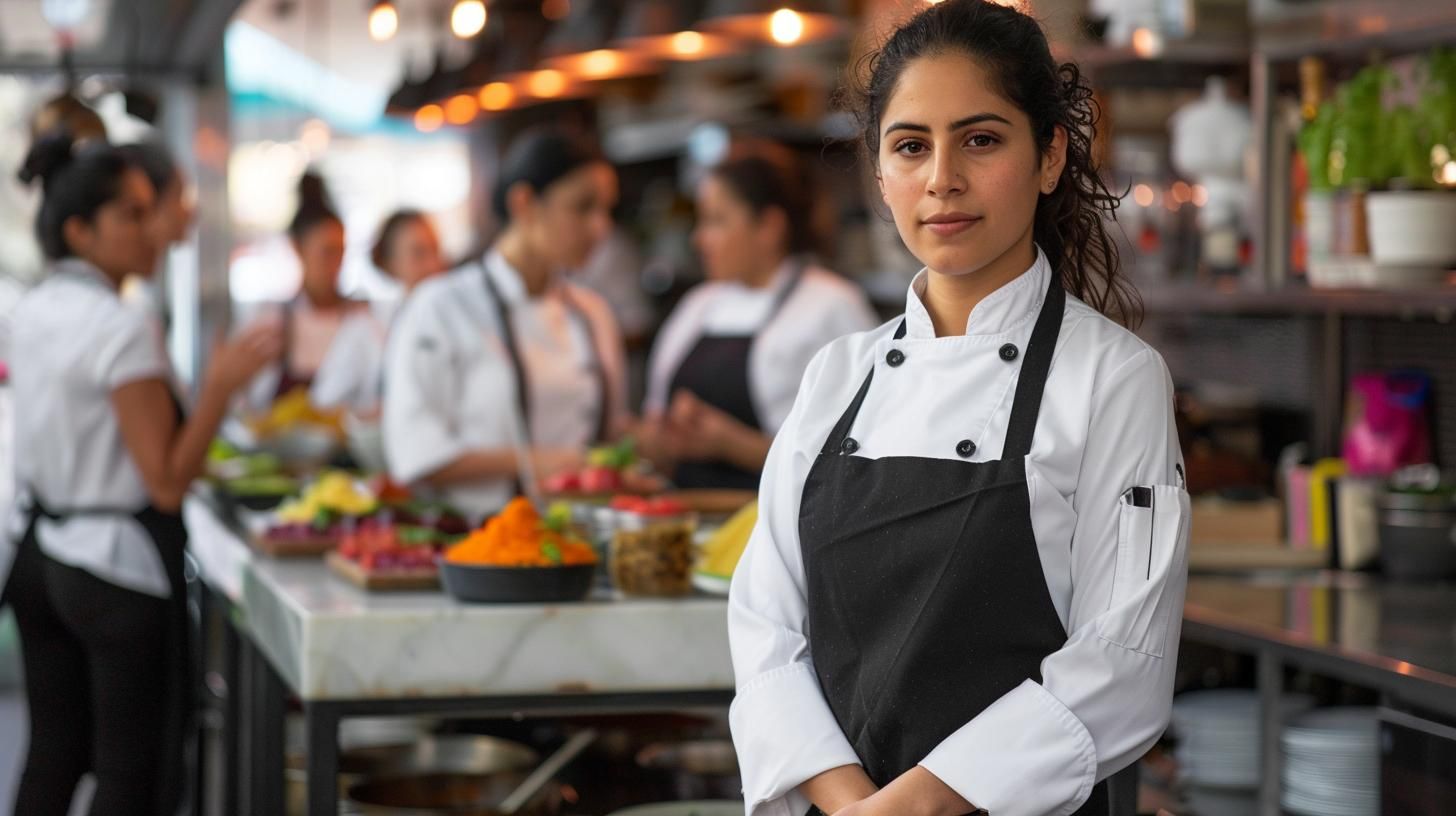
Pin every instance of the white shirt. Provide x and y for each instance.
(75, 342)
(823, 306)
(342, 349)
(449, 385)
(1105, 424)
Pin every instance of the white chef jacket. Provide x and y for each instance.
(75, 342)
(450, 389)
(343, 348)
(823, 306)
(1105, 425)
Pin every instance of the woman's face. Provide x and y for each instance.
(735, 243)
(321, 253)
(117, 239)
(571, 216)
(174, 214)
(959, 167)
(414, 254)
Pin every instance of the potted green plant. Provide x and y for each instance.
(1320, 198)
(1413, 220)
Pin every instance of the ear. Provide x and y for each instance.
(1054, 160)
(520, 198)
(773, 224)
(77, 234)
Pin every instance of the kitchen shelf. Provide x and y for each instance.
(1181, 63)
(1354, 28)
(1436, 303)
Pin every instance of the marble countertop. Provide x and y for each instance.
(331, 640)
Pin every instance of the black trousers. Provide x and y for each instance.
(95, 679)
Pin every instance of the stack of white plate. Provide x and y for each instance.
(1332, 763)
(1218, 736)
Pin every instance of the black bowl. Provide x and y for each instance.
(482, 584)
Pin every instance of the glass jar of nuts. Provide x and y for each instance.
(652, 548)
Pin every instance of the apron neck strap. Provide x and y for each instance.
(1034, 369)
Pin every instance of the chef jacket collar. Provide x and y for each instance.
(85, 270)
(508, 280)
(1003, 310)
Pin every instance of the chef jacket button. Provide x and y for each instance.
(1009, 352)
(849, 447)
(895, 358)
(966, 448)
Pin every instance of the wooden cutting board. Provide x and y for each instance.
(713, 502)
(311, 547)
(392, 581)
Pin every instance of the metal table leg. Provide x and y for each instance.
(230, 669)
(1270, 672)
(322, 724)
(264, 723)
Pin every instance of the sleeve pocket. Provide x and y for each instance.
(1152, 558)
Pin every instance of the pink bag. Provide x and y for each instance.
(1388, 426)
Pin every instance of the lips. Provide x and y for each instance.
(948, 224)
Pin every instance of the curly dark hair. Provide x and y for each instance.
(1071, 222)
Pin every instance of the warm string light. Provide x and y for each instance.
(546, 84)
(600, 63)
(687, 43)
(429, 118)
(497, 96)
(786, 26)
(383, 21)
(461, 109)
(468, 18)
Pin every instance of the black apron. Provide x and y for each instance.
(287, 379)
(927, 600)
(169, 536)
(518, 366)
(716, 372)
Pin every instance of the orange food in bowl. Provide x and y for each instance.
(519, 538)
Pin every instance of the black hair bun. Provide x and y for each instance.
(313, 193)
(47, 156)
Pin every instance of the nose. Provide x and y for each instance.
(947, 177)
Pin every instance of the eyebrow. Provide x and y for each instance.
(956, 125)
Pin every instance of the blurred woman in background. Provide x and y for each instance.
(313, 321)
(104, 456)
(728, 362)
(502, 371)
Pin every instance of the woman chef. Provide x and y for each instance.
(320, 326)
(729, 360)
(502, 370)
(965, 587)
(104, 457)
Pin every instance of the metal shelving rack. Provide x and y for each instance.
(1337, 330)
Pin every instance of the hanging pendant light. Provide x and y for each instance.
(580, 46)
(777, 22)
(664, 29)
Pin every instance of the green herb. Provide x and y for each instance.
(551, 550)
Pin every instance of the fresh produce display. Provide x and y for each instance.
(383, 547)
(609, 470)
(336, 494)
(725, 547)
(519, 537)
(293, 410)
(652, 547)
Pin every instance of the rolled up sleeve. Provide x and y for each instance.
(1103, 700)
(783, 729)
